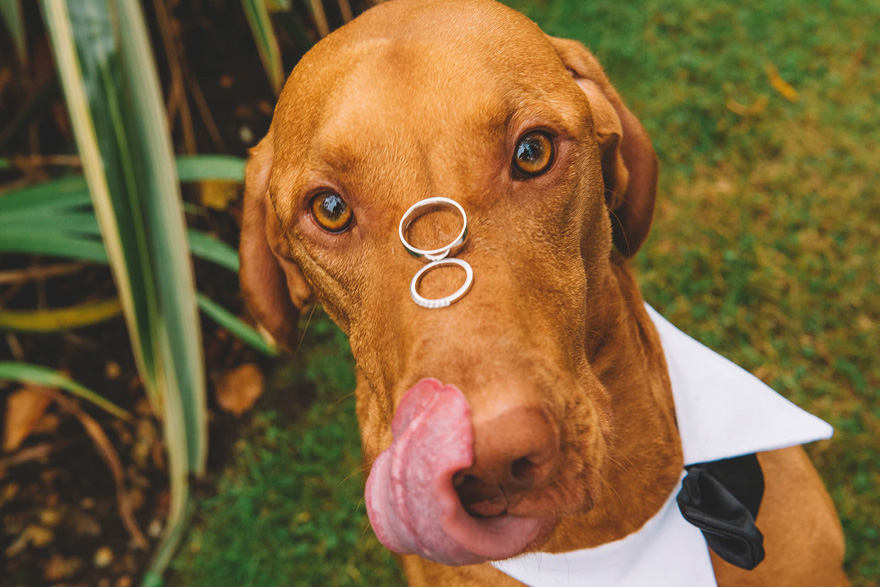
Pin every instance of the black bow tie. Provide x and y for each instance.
(722, 498)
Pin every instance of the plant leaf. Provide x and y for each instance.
(112, 92)
(210, 167)
(267, 43)
(39, 375)
(26, 241)
(60, 318)
(213, 249)
(11, 12)
(235, 326)
(70, 191)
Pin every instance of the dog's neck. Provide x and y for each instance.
(644, 459)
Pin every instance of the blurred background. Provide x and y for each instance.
(150, 434)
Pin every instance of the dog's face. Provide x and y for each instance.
(501, 422)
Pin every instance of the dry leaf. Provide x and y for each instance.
(24, 409)
(780, 85)
(756, 107)
(238, 389)
(216, 194)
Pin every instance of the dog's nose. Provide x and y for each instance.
(513, 453)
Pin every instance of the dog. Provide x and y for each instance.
(534, 413)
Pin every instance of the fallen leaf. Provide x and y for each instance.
(780, 85)
(24, 409)
(216, 194)
(756, 107)
(239, 388)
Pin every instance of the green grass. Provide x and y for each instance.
(765, 247)
(290, 508)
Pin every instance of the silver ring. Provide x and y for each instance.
(423, 207)
(441, 302)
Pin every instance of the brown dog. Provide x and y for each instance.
(557, 380)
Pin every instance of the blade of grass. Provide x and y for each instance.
(267, 43)
(39, 375)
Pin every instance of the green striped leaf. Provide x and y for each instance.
(234, 325)
(39, 375)
(111, 88)
(267, 43)
(28, 242)
(192, 168)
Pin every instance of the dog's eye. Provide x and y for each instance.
(534, 153)
(331, 212)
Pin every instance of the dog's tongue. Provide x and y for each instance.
(411, 501)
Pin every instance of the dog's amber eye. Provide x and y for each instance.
(534, 153)
(331, 212)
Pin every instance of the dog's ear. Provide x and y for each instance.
(629, 164)
(273, 286)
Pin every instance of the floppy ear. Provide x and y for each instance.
(629, 164)
(273, 286)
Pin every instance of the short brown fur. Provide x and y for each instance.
(417, 99)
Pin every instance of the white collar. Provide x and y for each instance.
(723, 411)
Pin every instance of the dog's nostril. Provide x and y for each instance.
(458, 479)
(514, 453)
(479, 498)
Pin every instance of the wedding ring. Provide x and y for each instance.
(423, 207)
(441, 302)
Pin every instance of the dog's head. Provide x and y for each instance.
(500, 418)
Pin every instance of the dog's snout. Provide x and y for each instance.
(514, 453)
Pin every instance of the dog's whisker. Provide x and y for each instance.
(305, 329)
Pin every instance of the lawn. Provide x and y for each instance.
(765, 247)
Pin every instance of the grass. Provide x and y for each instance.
(765, 247)
(290, 509)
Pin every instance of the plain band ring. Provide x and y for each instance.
(423, 207)
(441, 302)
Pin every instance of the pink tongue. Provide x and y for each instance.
(411, 501)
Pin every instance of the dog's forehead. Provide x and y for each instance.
(454, 58)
